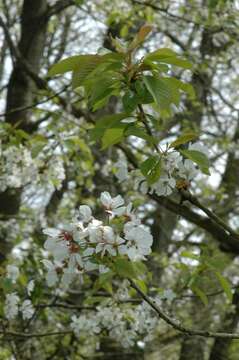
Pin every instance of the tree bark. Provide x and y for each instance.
(22, 90)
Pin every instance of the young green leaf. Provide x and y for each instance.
(104, 281)
(125, 268)
(151, 169)
(201, 294)
(84, 62)
(144, 96)
(225, 285)
(140, 133)
(113, 136)
(163, 90)
(183, 139)
(140, 37)
(168, 56)
(130, 101)
(199, 158)
(107, 122)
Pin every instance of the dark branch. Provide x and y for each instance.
(176, 325)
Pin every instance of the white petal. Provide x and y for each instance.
(106, 199)
(52, 232)
(85, 212)
(88, 252)
(117, 201)
(48, 264)
(51, 278)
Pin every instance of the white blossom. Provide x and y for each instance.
(56, 244)
(139, 243)
(56, 172)
(17, 167)
(12, 273)
(171, 161)
(122, 170)
(112, 205)
(27, 309)
(126, 324)
(11, 306)
(187, 170)
(164, 186)
(51, 277)
(82, 247)
(85, 213)
(30, 287)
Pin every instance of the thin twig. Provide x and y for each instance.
(36, 335)
(23, 108)
(176, 325)
(194, 201)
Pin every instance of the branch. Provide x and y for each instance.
(22, 108)
(58, 7)
(66, 306)
(33, 105)
(36, 335)
(176, 325)
(144, 121)
(228, 242)
(193, 200)
(164, 11)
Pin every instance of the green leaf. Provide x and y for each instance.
(144, 96)
(201, 294)
(130, 101)
(190, 255)
(100, 94)
(183, 139)
(104, 281)
(125, 268)
(212, 4)
(21, 134)
(139, 267)
(151, 169)
(199, 158)
(225, 285)
(168, 56)
(142, 285)
(7, 285)
(180, 85)
(113, 136)
(134, 130)
(150, 65)
(107, 122)
(85, 64)
(160, 92)
(165, 90)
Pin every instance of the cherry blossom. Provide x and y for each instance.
(11, 305)
(12, 273)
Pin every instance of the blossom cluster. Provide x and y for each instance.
(12, 307)
(12, 302)
(173, 168)
(89, 244)
(117, 318)
(18, 167)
